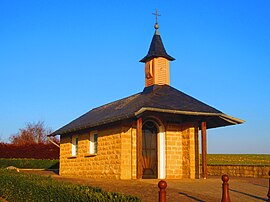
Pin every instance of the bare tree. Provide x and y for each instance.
(33, 133)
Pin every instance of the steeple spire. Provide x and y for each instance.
(156, 48)
(157, 67)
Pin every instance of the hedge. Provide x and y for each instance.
(26, 187)
(33, 151)
(30, 163)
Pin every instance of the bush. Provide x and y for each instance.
(25, 187)
(30, 163)
(33, 151)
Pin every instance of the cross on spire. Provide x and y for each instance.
(156, 14)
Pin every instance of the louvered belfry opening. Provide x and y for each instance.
(157, 72)
(149, 150)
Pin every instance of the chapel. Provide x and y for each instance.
(151, 134)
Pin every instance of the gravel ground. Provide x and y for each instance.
(241, 189)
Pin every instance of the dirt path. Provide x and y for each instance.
(241, 189)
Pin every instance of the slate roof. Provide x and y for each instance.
(156, 49)
(159, 98)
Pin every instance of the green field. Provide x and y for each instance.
(30, 163)
(212, 159)
(238, 159)
(16, 186)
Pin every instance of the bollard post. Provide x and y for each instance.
(225, 189)
(268, 194)
(162, 192)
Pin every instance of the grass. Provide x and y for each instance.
(238, 159)
(26, 187)
(30, 163)
(212, 159)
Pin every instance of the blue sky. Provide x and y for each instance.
(59, 59)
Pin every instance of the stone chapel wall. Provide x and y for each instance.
(116, 157)
(182, 157)
(113, 159)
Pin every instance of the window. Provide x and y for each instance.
(93, 143)
(75, 141)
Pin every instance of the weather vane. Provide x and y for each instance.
(156, 14)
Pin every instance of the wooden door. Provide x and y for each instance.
(149, 150)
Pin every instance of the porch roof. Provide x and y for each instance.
(157, 98)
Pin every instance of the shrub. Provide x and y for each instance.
(30, 163)
(33, 151)
(25, 187)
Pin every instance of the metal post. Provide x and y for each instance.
(162, 192)
(225, 189)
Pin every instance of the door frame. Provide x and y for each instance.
(150, 148)
(161, 145)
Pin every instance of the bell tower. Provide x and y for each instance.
(157, 61)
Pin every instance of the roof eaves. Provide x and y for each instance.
(150, 57)
(231, 119)
(143, 109)
(120, 118)
(225, 117)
